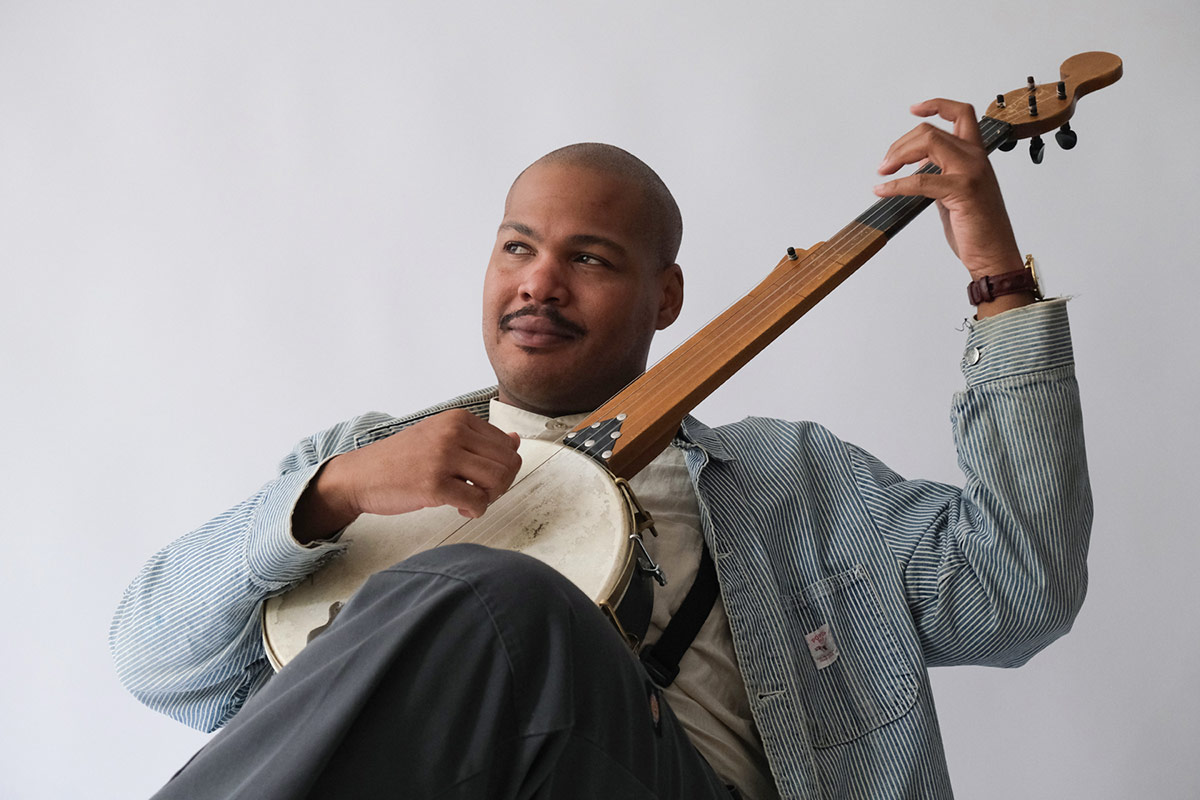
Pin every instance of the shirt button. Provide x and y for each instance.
(973, 356)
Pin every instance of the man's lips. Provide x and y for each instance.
(537, 332)
(529, 328)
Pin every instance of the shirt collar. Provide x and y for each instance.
(530, 425)
(694, 432)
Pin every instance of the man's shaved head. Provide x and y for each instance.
(581, 276)
(663, 220)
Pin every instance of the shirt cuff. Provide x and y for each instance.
(1028, 339)
(272, 552)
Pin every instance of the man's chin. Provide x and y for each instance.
(547, 390)
(541, 363)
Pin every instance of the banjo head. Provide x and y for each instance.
(563, 508)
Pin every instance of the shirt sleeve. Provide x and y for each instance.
(186, 637)
(995, 570)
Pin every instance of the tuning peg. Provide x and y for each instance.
(1037, 149)
(1066, 137)
(1006, 145)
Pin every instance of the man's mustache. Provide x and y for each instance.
(545, 312)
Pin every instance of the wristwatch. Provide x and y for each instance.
(989, 287)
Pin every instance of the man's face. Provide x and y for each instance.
(574, 290)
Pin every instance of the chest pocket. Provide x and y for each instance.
(862, 682)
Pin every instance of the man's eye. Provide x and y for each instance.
(517, 249)
(588, 258)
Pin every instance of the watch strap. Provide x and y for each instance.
(989, 287)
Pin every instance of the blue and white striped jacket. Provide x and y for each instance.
(807, 531)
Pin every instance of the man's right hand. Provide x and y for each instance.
(450, 459)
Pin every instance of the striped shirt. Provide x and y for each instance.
(842, 581)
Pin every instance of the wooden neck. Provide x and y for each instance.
(655, 404)
(646, 414)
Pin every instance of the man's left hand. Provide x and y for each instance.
(967, 193)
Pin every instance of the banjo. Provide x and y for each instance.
(571, 505)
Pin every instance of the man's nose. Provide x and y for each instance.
(545, 281)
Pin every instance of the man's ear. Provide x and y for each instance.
(671, 297)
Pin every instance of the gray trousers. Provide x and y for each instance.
(463, 672)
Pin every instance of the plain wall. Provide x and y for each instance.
(224, 226)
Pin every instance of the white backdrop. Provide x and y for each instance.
(224, 226)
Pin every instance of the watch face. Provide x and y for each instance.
(1039, 288)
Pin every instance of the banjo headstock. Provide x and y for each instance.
(1035, 108)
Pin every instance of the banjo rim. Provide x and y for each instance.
(618, 585)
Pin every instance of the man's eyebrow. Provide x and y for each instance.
(520, 228)
(585, 239)
(579, 239)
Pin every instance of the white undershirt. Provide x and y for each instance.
(709, 696)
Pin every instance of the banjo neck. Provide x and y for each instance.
(628, 431)
(646, 414)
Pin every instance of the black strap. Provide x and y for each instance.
(661, 659)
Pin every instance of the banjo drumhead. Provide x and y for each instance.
(563, 508)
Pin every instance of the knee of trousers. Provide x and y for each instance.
(505, 582)
(501, 622)
(527, 604)
(487, 603)
(561, 650)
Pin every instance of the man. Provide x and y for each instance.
(469, 672)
